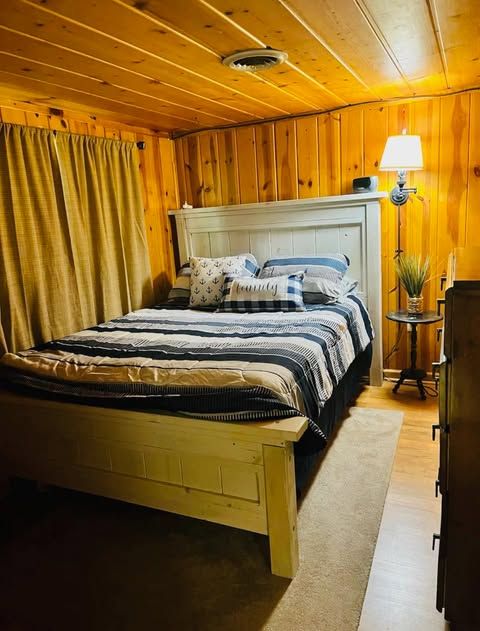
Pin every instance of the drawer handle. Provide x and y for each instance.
(437, 487)
(443, 280)
(440, 302)
(435, 538)
(439, 333)
(441, 428)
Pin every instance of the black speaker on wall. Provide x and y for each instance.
(366, 184)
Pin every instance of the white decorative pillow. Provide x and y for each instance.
(323, 292)
(208, 275)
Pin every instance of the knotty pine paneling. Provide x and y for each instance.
(473, 182)
(157, 167)
(308, 157)
(286, 155)
(156, 63)
(247, 165)
(265, 154)
(228, 160)
(329, 154)
(319, 155)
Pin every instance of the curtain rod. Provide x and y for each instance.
(141, 144)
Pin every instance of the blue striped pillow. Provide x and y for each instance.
(179, 294)
(282, 293)
(322, 273)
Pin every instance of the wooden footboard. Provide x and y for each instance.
(237, 474)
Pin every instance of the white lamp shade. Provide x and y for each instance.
(402, 153)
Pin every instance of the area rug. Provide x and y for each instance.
(79, 562)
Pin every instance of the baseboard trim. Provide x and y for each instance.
(394, 373)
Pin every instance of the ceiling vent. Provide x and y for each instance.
(255, 59)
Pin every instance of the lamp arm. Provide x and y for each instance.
(400, 193)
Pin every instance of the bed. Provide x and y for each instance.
(226, 454)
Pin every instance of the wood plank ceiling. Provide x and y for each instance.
(158, 62)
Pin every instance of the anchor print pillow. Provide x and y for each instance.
(208, 275)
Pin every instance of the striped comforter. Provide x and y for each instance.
(221, 366)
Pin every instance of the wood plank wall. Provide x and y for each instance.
(157, 167)
(319, 155)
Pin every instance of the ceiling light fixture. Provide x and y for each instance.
(255, 59)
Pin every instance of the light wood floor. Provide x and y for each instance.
(402, 586)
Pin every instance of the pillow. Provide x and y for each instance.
(327, 266)
(318, 291)
(207, 277)
(322, 274)
(348, 285)
(282, 293)
(179, 295)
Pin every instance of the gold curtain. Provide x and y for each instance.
(73, 249)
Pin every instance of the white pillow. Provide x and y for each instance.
(208, 275)
(322, 291)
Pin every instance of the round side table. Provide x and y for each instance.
(413, 373)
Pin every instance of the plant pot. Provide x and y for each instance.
(414, 305)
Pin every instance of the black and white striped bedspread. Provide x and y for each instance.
(220, 366)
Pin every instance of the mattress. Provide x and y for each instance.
(225, 367)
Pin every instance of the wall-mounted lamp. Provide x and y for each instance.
(402, 153)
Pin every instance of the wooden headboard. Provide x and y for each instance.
(344, 223)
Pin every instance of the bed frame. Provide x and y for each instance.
(237, 474)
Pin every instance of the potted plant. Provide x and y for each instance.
(412, 273)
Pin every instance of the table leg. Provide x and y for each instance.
(413, 348)
(400, 381)
(421, 388)
(412, 372)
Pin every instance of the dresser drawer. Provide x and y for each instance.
(443, 463)
(443, 426)
(442, 556)
(446, 338)
(443, 388)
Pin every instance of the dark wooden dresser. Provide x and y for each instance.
(458, 433)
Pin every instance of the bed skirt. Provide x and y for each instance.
(307, 451)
